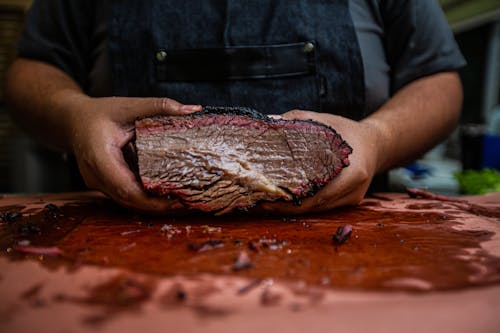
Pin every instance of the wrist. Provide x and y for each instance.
(74, 117)
(379, 142)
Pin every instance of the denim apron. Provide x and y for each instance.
(273, 56)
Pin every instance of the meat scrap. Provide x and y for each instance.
(269, 297)
(29, 228)
(51, 210)
(249, 286)
(242, 262)
(208, 229)
(418, 193)
(459, 203)
(175, 295)
(272, 243)
(222, 159)
(9, 217)
(206, 246)
(48, 251)
(254, 246)
(125, 233)
(51, 207)
(342, 234)
(266, 243)
(170, 230)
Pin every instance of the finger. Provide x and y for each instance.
(121, 185)
(129, 109)
(285, 208)
(335, 194)
(275, 116)
(349, 199)
(342, 190)
(346, 194)
(299, 115)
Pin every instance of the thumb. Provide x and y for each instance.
(127, 109)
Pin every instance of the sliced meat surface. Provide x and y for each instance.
(221, 159)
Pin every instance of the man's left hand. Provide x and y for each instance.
(351, 185)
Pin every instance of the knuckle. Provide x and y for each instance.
(294, 114)
(127, 196)
(88, 163)
(89, 183)
(163, 104)
(153, 105)
(362, 176)
(123, 195)
(319, 202)
(358, 197)
(300, 114)
(167, 104)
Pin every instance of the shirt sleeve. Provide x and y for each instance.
(59, 32)
(418, 41)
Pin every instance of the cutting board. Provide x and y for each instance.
(80, 255)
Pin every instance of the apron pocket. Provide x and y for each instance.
(236, 63)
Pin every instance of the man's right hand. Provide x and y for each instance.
(52, 107)
(98, 130)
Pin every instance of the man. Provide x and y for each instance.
(382, 73)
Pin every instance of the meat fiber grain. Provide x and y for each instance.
(221, 159)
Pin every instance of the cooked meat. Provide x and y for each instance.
(220, 159)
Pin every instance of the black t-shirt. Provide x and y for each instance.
(400, 41)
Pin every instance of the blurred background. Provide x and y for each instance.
(475, 145)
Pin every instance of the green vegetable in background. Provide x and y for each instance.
(479, 182)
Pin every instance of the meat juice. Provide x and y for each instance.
(413, 250)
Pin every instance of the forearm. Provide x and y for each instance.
(41, 98)
(418, 117)
(53, 108)
(415, 119)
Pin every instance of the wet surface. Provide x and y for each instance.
(122, 293)
(412, 249)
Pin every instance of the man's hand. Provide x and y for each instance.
(51, 106)
(418, 117)
(98, 130)
(351, 185)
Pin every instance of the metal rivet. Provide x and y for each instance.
(308, 47)
(161, 55)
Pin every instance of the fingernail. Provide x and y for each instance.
(275, 116)
(191, 108)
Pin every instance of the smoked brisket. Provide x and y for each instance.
(224, 158)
